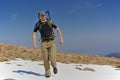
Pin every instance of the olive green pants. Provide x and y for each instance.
(49, 54)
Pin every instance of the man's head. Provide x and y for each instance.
(42, 16)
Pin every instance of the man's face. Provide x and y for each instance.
(42, 17)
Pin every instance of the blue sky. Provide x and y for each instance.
(88, 26)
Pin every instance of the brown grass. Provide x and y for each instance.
(2, 59)
(8, 51)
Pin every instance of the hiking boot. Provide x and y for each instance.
(55, 70)
(47, 76)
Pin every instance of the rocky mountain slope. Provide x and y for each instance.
(9, 51)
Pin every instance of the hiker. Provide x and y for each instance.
(48, 44)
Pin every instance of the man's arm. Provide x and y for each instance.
(34, 40)
(60, 36)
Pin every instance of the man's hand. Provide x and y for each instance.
(61, 42)
(35, 47)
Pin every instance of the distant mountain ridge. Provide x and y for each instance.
(117, 55)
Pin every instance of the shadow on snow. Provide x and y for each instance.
(28, 72)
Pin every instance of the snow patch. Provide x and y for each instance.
(19, 69)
